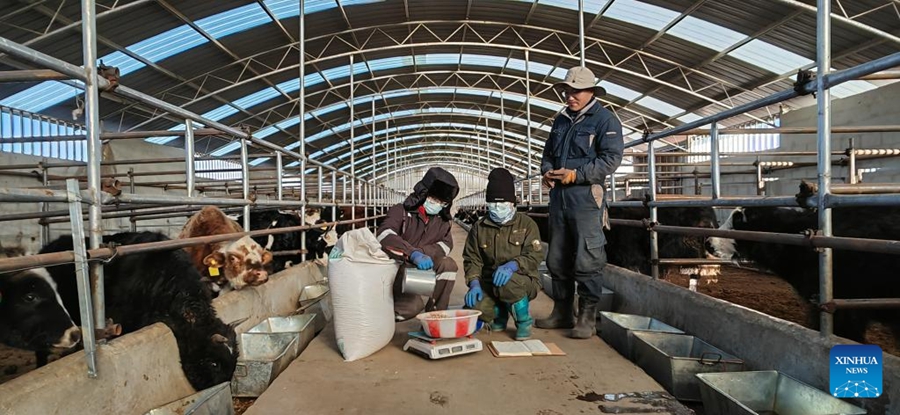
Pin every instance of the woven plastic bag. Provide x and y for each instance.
(361, 281)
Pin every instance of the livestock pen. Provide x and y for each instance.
(394, 60)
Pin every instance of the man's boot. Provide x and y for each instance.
(586, 325)
(501, 316)
(562, 316)
(523, 319)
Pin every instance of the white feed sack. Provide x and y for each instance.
(361, 284)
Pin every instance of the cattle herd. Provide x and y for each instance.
(856, 274)
(39, 308)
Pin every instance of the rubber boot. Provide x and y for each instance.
(562, 316)
(586, 325)
(519, 310)
(501, 316)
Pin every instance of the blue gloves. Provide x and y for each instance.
(475, 294)
(421, 260)
(504, 273)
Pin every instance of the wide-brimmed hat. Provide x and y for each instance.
(580, 77)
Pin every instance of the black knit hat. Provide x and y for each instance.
(500, 187)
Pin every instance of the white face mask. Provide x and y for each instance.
(433, 207)
(501, 212)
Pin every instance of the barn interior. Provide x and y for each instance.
(133, 115)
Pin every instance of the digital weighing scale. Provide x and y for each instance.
(432, 348)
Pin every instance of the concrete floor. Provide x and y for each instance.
(392, 381)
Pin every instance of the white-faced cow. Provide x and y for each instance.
(231, 263)
(32, 315)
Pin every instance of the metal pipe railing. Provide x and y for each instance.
(59, 258)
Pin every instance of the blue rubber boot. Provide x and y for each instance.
(519, 311)
(501, 316)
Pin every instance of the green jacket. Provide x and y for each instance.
(490, 245)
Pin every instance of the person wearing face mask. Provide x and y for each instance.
(417, 232)
(501, 258)
(585, 146)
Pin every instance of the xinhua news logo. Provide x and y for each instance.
(856, 371)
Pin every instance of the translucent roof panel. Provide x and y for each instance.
(641, 14)
(659, 106)
(704, 33)
(234, 20)
(168, 43)
(438, 59)
(618, 90)
(257, 162)
(256, 98)
(234, 145)
(847, 89)
(391, 63)
(769, 57)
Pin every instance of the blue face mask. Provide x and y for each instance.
(433, 208)
(501, 212)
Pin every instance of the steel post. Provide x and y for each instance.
(851, 165)
(823, 100)
(94, 149)
(352, 143)
(714, 165)
(301, 45)
(334, 195)
(581, 31)
(760, 184)
(45, 207)
(131, 189)
(654, 237)
(189, 156)
(279, 173)
(82, 280)
(245, 182)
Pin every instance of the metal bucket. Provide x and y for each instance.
(766, 392)
(674, 360)
(267, 349)
(419, 281)
(617, 330)
(211, 401)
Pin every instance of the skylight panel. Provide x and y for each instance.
(261, 160)
(438, 59)
(234, 145)
(617, 90)
(283, 9)
(659, 106)
(689, 117)
(707, 34)
(41, 96)
(769, 57)
(559, 73)
(221, 112)
(168, 43)
(847, 89)
(344, 71)
(293, 164)
(314, 6)
(391, 63)
(234, 20)
(125, 63)
(641, 14)
(484, 60)
(257, 97)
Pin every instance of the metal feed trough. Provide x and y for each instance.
(267, 349)
(618, 330)
(674, 360)
(211, 401)
(766, 392)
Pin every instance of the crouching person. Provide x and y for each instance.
(501, 258)
(417, 232)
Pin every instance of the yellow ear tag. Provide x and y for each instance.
(213, 272)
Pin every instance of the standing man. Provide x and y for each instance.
(585, 146)
(417, 231)
(501, 258)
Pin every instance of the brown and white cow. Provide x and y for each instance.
(235, 263)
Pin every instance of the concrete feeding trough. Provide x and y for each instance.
(267, 349)
(674, 360)
(764, 393)
(618, 330)
(212, 401)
